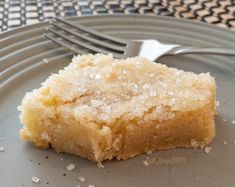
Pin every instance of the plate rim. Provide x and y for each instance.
(159, 17)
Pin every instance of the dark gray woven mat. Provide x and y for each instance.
(14, 13)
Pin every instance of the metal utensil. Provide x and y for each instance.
(81, 40)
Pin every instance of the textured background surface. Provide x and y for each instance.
(14, 13)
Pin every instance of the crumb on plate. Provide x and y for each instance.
(207, 150)
(35, 179)
(2, 149)
(82, 179)
(70, 167)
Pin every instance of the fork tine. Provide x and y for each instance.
(64, 45)
(82, 44)
(93, 40)
(93, 32)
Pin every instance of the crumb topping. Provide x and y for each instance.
(105, 89)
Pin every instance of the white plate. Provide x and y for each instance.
(22, 68)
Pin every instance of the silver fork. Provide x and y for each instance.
(81, 40)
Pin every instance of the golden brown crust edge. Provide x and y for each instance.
(192, 129)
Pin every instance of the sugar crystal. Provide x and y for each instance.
(45, 136)
(82, 179)
(152, 93)
(45, 60)
(146, 162)
(2, 149)
(146, 86)
(207, 149)
(97, 77)
(100, 165)
(149, 152)
(19, 108)
(35, 179)
(70, 167)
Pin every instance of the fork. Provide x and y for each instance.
(81, 40)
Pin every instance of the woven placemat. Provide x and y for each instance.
(15, 13)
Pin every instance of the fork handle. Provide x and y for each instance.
(198, 50)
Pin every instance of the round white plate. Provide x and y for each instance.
(22, 69)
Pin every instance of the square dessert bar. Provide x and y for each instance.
(102, 108)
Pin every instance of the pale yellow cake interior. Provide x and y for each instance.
(102, 108)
